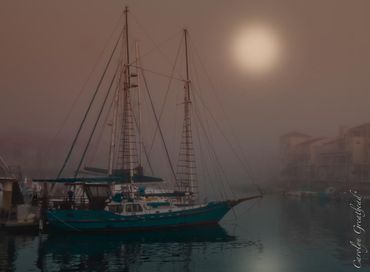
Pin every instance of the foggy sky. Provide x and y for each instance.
(48, 49)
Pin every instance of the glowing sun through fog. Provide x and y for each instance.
(256, 48)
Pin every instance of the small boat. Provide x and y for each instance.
(112, 200)
(16, 213)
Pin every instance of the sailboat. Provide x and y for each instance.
(114, 201)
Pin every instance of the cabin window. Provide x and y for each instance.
(137, 208)
(129, 208)
(133, 208)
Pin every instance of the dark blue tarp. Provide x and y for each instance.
(122, 179)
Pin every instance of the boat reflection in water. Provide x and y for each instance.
(130, 251)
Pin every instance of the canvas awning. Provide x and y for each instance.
(124, 179)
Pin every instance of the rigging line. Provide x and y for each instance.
(116, 157)
(194, 70)
(159, 128)
(245, 164)
(231, 146)
(205, 129)
(88, 109)
(102, 130)
(242, 161)
(219, 164)
(208, 137)
(152, 40)
(212, 86)
(145, 150)
(147, 159)
(203, 162)
(158, 73)
(217, 125)
(166, 95)
(156, 46)
(96, 123)
(211, 153)
(4, 166)
(219, 173)
(86, 81)
(175, 136)
(207, 168)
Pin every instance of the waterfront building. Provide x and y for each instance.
(318, 162)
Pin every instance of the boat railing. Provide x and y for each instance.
(67, 203)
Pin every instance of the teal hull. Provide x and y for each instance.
(100, 220)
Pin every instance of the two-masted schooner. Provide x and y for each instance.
(113, 202)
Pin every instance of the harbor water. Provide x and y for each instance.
(274, 234)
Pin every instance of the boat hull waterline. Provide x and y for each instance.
(101, 220)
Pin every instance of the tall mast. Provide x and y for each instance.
(186, 164)
(127, 50)
(128, 153)
(137, 55)
(127, 97)
(113, 133)
(127, 91)
(187, 84)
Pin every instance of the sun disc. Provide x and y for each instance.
(256, 48)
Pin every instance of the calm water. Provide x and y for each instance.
(275, 234)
